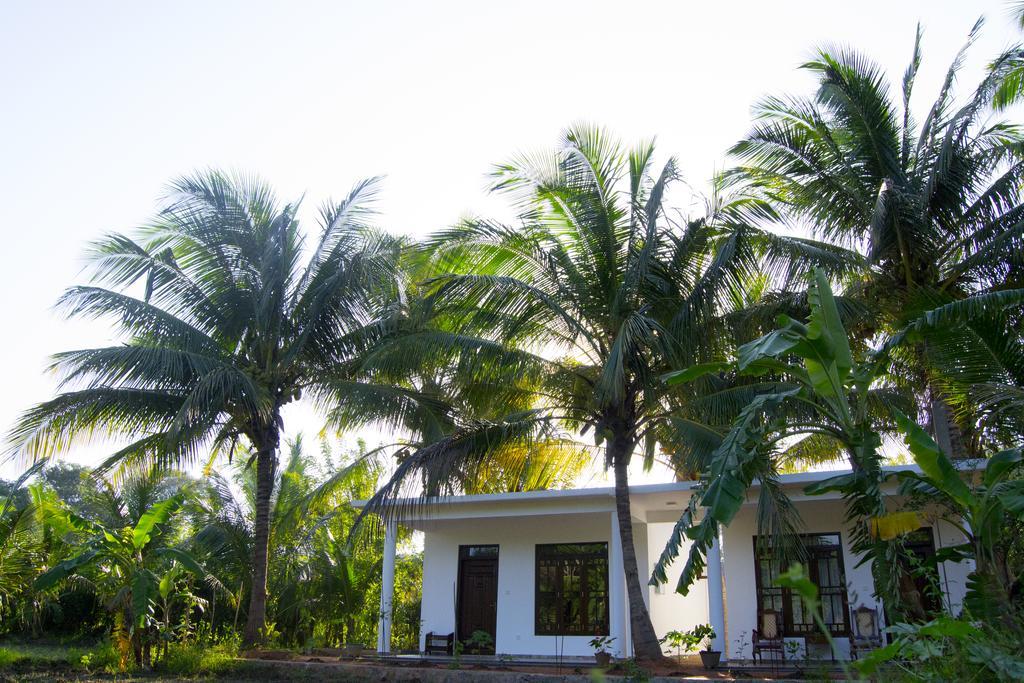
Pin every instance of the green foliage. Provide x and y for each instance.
(20, 549)
(161, 595)
(479, 642)
(945, 649)
(27, 655)
(703, 634)
(632, 671)
(563, 322)
(9, 658)
(225, 317)
(680, 641)
(821, 391)
(830, 393)
(934, 202)
(323, 589)
(457, 648)
(104, 658)
(491, 347)
(601, 643)
(132, 559)
(690, 641)
(988, 513)
(199, 659)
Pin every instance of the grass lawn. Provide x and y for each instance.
(82, 661)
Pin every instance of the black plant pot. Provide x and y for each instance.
(710, 658)
(603, 658)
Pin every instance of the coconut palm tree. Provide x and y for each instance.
(303, 506)
(227, 316)
(564, 323)
(935, 206)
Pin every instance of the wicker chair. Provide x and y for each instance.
(768, 638)
(865, 634)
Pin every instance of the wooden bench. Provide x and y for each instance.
(438, 643)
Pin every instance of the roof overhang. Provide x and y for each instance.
(662, 502)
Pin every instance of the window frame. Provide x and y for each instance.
(921, 544)
(787, 627)
(560, 628)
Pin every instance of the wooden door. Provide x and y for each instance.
(478, 597)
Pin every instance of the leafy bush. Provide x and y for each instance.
(946, 649)
(601, 643)
(10, 657)
(105, 657)
(193, 659)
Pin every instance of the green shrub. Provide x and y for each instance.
(104, 657)
(193, 659)
(10, 657)
(947, 649)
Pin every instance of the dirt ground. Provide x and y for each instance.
(325, 668)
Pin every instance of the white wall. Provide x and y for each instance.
(952, 575)
(671, 611)
(516, 539)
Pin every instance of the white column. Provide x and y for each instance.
(387, 587)
(617, 608)
(716, 601)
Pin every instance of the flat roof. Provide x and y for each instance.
(635, 491)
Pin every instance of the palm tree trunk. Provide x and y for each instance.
(645, 640)
(266, 463)
(238, 606)
(947, 432)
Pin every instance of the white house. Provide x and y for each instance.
(542, 571)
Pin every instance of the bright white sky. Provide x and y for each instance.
(104, 102)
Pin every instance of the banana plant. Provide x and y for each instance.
(20, 548)
(823, 391)
(985, 510)
(175, 588)
(127, 565)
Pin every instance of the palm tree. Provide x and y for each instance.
(936, 207)
(310, 560)
(566, 321)
(227, 316)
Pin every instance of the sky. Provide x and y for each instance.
(102, 103)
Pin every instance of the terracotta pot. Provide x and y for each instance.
(603, 658)
(710, 658)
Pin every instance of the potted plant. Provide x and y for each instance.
(601, 645)
(703, 633)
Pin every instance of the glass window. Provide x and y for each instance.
(825, 569)
(572, 589)
(477, 551)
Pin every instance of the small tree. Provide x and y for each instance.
(133, 561)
